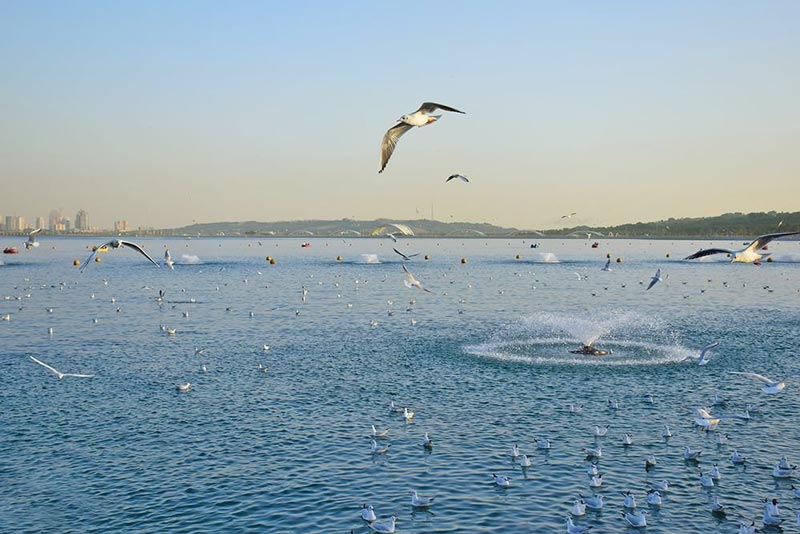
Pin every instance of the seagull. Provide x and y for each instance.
(118, 243)
(525, 461)
(747, 529)
(31, 242)
(379, 433)
(596, 481)
(572, 528)
(629, 501)
(386, 527)
(653, 497)
(701, 358)
(784, 472)
(650, 462)
(375, 449)
(595, 501)
(410, 281)
(659, 485)
(772, 516)
(600, 431)
(689, 454)
(706, 481)
(570, 215)
(426, 442)
(772, 386)
(422, 117)
(502, 480)
(184, 387)
(666, 433)
(420, 502)
(579, 508)
(594, 452)
(607, 267)
(748, 254)
(368, 513)
(627, 440)
(591, 470)
(406, 257)
(737, 457)
(515, 451)
(58, 373)
(716, 506)
(408, 414)
(714, 472)
(636, 519)
(168, 260)
(656, 278)
(543, 443)
(392, 237)
(459, 176)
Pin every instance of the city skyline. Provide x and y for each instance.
(620, 112)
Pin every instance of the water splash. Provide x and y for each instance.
(368, 258)
(190, 259)
(547, 257)
(589, 329)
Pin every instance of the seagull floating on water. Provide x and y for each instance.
(368, 513)
(184, 387)
(58, 373)
(421, 117)
(579, 508)
(635, 519)
(749, 254)
(502, 480)
(379, 433)
(118, 243)
(572, 528)
(386, 527)
(420, 502)
(653, 497)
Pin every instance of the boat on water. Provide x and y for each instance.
(589, 350)
(11, 250)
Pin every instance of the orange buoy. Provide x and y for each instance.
(76, 262)
(463, 260)
(272, 261)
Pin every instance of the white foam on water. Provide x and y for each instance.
(547, 257)
(190, 259)
(368, 258)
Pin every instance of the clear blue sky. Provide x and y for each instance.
(166, 112)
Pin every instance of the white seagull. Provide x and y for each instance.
(379, 433)
(31, 242)
(58, 373)
(744, 528)
(635, 519)
(656, 278)
(502, 480)
(772, 386)
(420, 502)
(168, 260)
(406, 257)
(411, 282)
(368, 513)
(459, 176)
(386, 527)
(422, 117)
(579, 508)
(701, 358)
(572, 528)
(118, 243)
(607, 267)
(749, 254)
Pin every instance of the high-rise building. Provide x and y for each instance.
(55, 220)
(82, 221)
(14, 223)
(121, 226)
(40, 222)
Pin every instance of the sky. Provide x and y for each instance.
(165, 113)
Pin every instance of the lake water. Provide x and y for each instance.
(485, 366)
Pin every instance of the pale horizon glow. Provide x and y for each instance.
(165, 113)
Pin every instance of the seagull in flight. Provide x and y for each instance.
(118, 243)
(406, 257)
(701, 358)
(31, 242)
(749, 254)
(58, 373)
(607, 267)
(410, 282)
(771, 386)
(570, 215)
(656, 278)
(168, 260)
(422, 117)
(459, 176)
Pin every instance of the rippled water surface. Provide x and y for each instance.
(486, 365)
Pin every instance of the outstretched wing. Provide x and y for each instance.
(77, 375)
(390, 139)
(762, 240)
(92, 255)
(51, 369)
(709, 252)
(708, 348)
(405, 258)
(431, 107)
(139, 249)
(754, 376)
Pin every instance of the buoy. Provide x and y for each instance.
(338, 258)
(97, 259)
(427, 257)
(608, 256)
(268, 258)
(76, 262)
(272, 261)
(668, 254)
(463, 260)
(769, 260)
(619, 260)
(517, 256)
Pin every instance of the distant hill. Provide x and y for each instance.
(729, 225)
